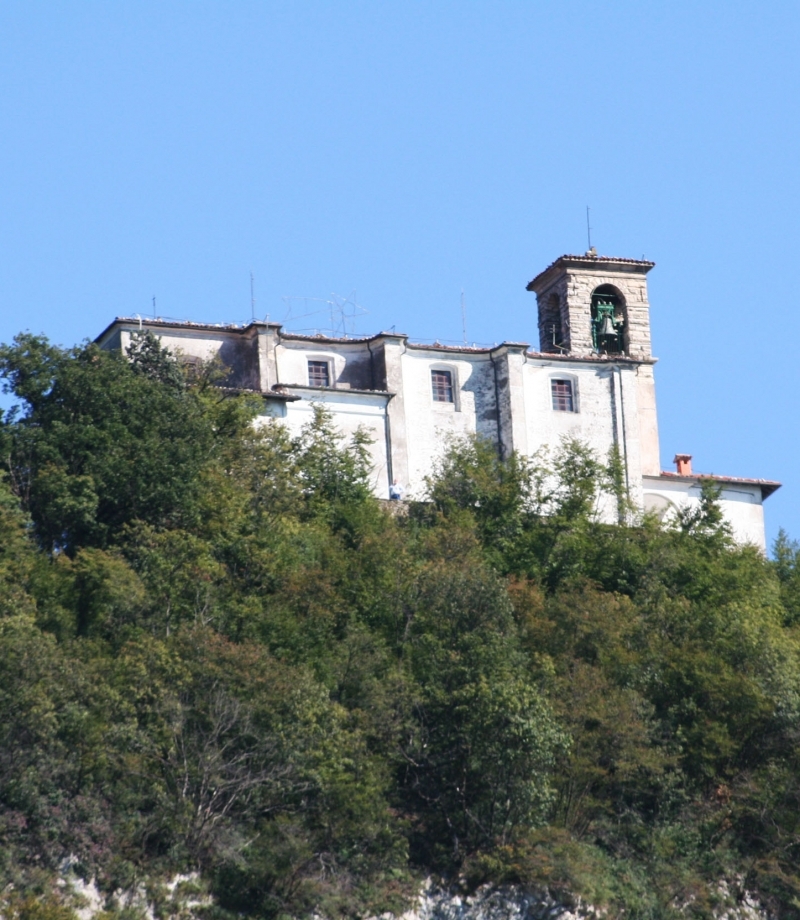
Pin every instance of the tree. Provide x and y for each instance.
(17, 556)
(786, 563)
(101, 441)
(477, 761)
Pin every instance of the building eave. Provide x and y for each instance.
(569, 358)
(340, 340)
(137, 323)
(584, 262)
(332, 391)
(767, 486)
(469, 350)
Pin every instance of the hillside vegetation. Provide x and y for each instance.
(218, 652)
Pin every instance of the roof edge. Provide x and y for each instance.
(588, 261)
(767, 486)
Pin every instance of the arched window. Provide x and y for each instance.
(609, 321)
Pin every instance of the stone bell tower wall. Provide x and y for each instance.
(573, 279)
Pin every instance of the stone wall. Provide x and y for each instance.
(571, 280)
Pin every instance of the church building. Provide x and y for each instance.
(591, 378)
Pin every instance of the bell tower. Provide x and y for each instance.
(594, 305)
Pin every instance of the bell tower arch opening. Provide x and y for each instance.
(609, 321)
(551, 326)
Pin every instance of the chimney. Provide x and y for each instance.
(683, 462)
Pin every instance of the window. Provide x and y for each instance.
(563, 395)
(318, 374)
(442, 384)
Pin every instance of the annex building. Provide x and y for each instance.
(591, 378)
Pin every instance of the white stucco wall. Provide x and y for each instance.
(292, 362)
(350, 412)
(648, 420)
(430, 424)
(206, 347)
(593, 423)
(741, 505)
(237, 350)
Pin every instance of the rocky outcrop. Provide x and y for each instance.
(514, 903)
(185, 896)
(491, 903)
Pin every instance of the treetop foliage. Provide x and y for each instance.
(218, 652)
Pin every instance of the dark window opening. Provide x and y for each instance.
(563, 395)
(551, 333)
(442, 383)
(318, 374)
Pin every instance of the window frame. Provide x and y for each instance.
(453, 386)
(572, 383)
(319, 361)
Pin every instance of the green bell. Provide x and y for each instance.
(607, 326)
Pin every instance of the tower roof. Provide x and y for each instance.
(589, 261)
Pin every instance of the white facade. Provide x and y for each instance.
(592, 378)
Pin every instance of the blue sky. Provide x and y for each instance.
(407, 151)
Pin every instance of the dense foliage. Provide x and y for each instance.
(219, 653)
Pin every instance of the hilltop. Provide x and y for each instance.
(219, 654)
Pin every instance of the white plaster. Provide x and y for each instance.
(351, 412)
(431, 424)
(741, 505)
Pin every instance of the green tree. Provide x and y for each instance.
(786, 563)
(17, 556)
(477, 762)
(101, 441)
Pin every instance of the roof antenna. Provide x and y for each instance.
(463, 317)
(154, 306)
(591, 251)
(252, 298)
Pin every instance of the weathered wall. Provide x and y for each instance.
(606, 414)
(648, 420)
(236, 350)
(350, 362)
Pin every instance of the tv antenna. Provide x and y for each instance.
(154, 306)
(463, 317)
(341, 311)
(588, 228)
(252, 298)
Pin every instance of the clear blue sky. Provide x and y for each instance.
(406, 151)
